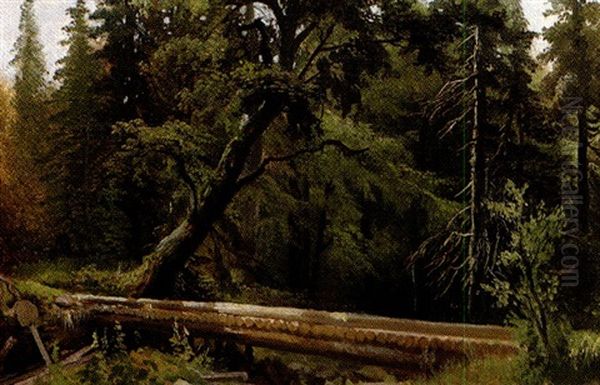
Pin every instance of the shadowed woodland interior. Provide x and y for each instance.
(400, 158)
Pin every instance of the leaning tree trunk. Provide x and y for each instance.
(157, 276)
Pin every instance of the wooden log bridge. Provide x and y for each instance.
(373, 339)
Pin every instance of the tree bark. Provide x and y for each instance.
(157, 275)
(477, 179)
(583, 78)
(375, 339)
(582, 160)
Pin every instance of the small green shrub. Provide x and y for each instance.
(113, 364)
(584, 350)
(525, 282)
(584, 357)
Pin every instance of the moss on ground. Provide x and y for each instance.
(74, 276)
(140, 367)
(56, 272)
(489, 371)
(37, 291)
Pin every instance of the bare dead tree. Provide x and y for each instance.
(460, 103)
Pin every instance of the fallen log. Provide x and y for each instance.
(80, 357)
(300, 315)
(84, 355)
(9, 344)
(370, 339)
(229, 377)
(220, 378)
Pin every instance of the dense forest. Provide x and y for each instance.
(405, 158)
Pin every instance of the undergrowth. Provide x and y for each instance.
(490, 371)
(113, 364)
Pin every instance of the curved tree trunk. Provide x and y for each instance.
(157, 276)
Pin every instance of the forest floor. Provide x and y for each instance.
(490, 371)
(268, 366)
(311, 369)
(151, 366)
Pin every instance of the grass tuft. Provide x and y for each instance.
(489, 371)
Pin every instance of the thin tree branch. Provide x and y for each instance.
(246, 180)
(303, 35)
(182, 171)
(450, 126)
(9, 344)
(317, 51)
(344, 45)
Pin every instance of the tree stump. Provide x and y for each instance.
(27, 314)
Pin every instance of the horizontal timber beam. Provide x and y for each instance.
(382, 340)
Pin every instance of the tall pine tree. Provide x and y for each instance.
(78, 137)
(480, 112)
(30, 83)
(28, 137)
(572, 41)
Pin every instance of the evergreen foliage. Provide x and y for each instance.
(78, 140)
(338, 154)
(26, 139)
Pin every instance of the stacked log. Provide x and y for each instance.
(378, 340)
